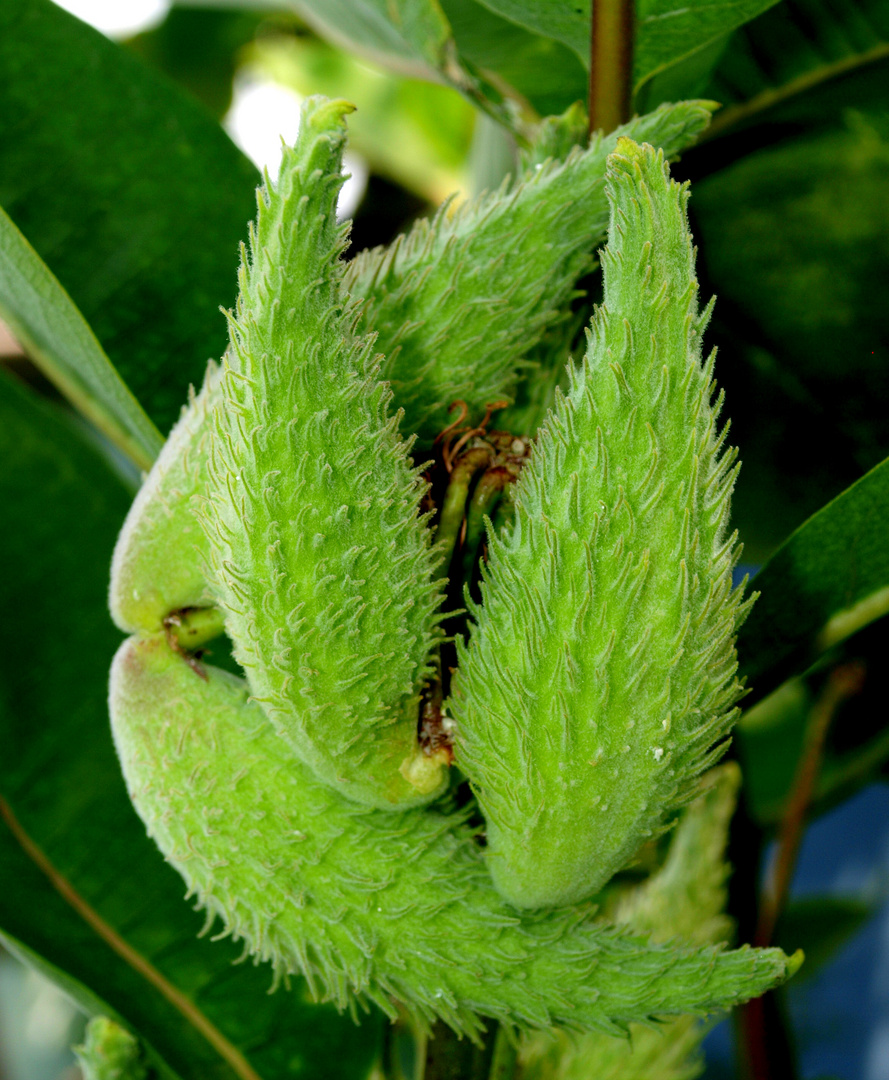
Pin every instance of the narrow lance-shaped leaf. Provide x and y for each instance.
(59, 341)
(460, 301)
(320, 559)
(600, 675)
(129, 191)
(375, 905)
(828, 580)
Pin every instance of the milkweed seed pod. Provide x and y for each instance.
(434, 337)
(600, 675)
(158, 559)
(684, 900)
(369, 905)
(459, 302)
(110, 1052)
(320, 559)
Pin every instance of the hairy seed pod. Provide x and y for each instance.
(684, 900)
(320, 559)
(460, 301)
(461, 336)
(599, 681)
(371, 905)
(158, 559)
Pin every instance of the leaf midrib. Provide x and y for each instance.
(187, 1008)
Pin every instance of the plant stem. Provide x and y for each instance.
(483, 504)
(759, 1018)
(191, 628)
(453, 505)
(611, 63)
(506, 1055)
(843, 682)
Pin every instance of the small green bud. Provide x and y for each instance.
(374, 906)
(109, 1052)
(599, 681)
(320, 558)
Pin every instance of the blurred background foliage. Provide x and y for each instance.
(789, 208)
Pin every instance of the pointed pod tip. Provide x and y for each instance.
(795, 962)
(323, 112)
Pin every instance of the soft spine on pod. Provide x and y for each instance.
(372, 905)
(158, 563)
(460, 301)
(318, 554)
(600, 676)
(684, 901)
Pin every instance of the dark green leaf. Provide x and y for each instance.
(544, 71)
(820, 926)
(132, 195)
(792, 50)
(567, 21)
(793, 242)
(83, 887)
(198, 47)
(666, 32)
(58, 339)
(828, 580)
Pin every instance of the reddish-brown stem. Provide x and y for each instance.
(754, 1018)
(611, 63)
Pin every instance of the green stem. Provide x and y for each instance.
(453, 506)
(191, 628)
(611, 63)
(506, 1056)
(484, 501)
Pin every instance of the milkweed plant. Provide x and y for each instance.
(480, 592)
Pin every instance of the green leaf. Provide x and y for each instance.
(59, 340)
(405, 34)
(830, 579)
(794, 239)
(666, 32)
(567, 21)
(544, 71)
(84, 888)
(771, 736)
(128, 190)
(782, 58)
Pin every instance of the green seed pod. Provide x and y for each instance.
(321, 561)
(158, 560)
(600, 676)
(371, 905)
(460, 301)
(685, 899)
(110, 1052)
